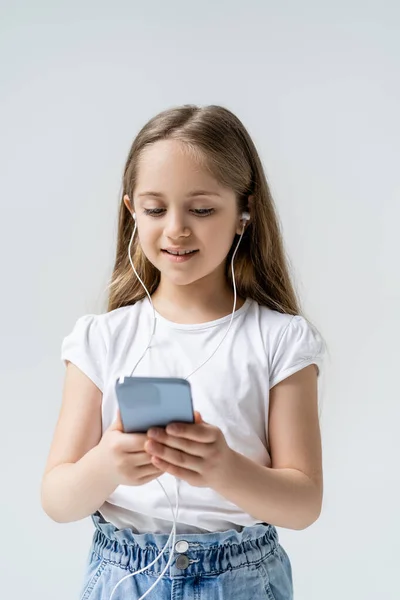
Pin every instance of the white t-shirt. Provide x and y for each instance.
(231, 391)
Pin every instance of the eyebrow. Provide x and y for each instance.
(190, 195)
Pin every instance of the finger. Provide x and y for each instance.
(140, 459)
(176, 457)
(197, 432)
(117, 423)
(192, 477)
(197, 417)
(149, 478)
(133, 442)
(200, 449)
(147, 471)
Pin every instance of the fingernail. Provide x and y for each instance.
(172, 428)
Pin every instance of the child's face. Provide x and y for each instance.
(172, 215)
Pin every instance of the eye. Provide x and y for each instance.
(153, 212)
(203, 212)
(158, 212)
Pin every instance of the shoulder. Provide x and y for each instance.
(291, 342)
(92, 340)
(272, 324)
(97, 329)
(282, 328)
(113, 321)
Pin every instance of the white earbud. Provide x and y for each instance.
(134, 216)
(245, 217)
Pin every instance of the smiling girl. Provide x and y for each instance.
(194, 187)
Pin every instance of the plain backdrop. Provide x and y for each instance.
(317, 86)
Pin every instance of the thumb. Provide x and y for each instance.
(198, 418)
(117, 424)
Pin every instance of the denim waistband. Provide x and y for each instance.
(197, 554)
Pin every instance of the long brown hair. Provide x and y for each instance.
(261, 266)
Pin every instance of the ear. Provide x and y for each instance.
(127, 203)
(249, 209)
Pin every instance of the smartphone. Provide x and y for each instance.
(146, 402)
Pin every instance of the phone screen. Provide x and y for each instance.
(146, 402)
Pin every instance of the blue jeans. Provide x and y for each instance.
(246, 565)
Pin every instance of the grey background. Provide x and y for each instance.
(317, 86)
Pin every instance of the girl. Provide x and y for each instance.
(193, 183)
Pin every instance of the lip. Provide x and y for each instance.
(178, 249)
(178, 258)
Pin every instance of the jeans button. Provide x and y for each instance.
(182, 562)
(181, 546)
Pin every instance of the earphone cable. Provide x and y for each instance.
(175, 514)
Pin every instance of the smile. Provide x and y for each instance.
(180, 252)
(179, 256)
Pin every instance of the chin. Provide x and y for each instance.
(182, 277)
(181, 280)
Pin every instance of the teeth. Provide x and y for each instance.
(180, 253)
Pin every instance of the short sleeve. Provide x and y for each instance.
(299, 346)
(85, 347)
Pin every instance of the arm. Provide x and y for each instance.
(289, 494)
(73, 491)
(75, 482)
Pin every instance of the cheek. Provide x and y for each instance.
(219, 239)
(148, 238)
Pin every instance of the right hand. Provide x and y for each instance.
(126, 460)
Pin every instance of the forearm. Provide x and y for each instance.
(73, 491)
(281, 497)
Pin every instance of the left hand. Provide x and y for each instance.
(197, 452)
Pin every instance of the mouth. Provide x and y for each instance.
(179, 256)
(179, 252)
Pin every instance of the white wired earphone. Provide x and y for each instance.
(245, 217)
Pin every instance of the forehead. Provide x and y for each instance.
(170, 164)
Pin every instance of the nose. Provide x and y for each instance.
(175, 226)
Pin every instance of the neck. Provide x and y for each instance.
(205, 300)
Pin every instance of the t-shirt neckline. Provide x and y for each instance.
(196, 326)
